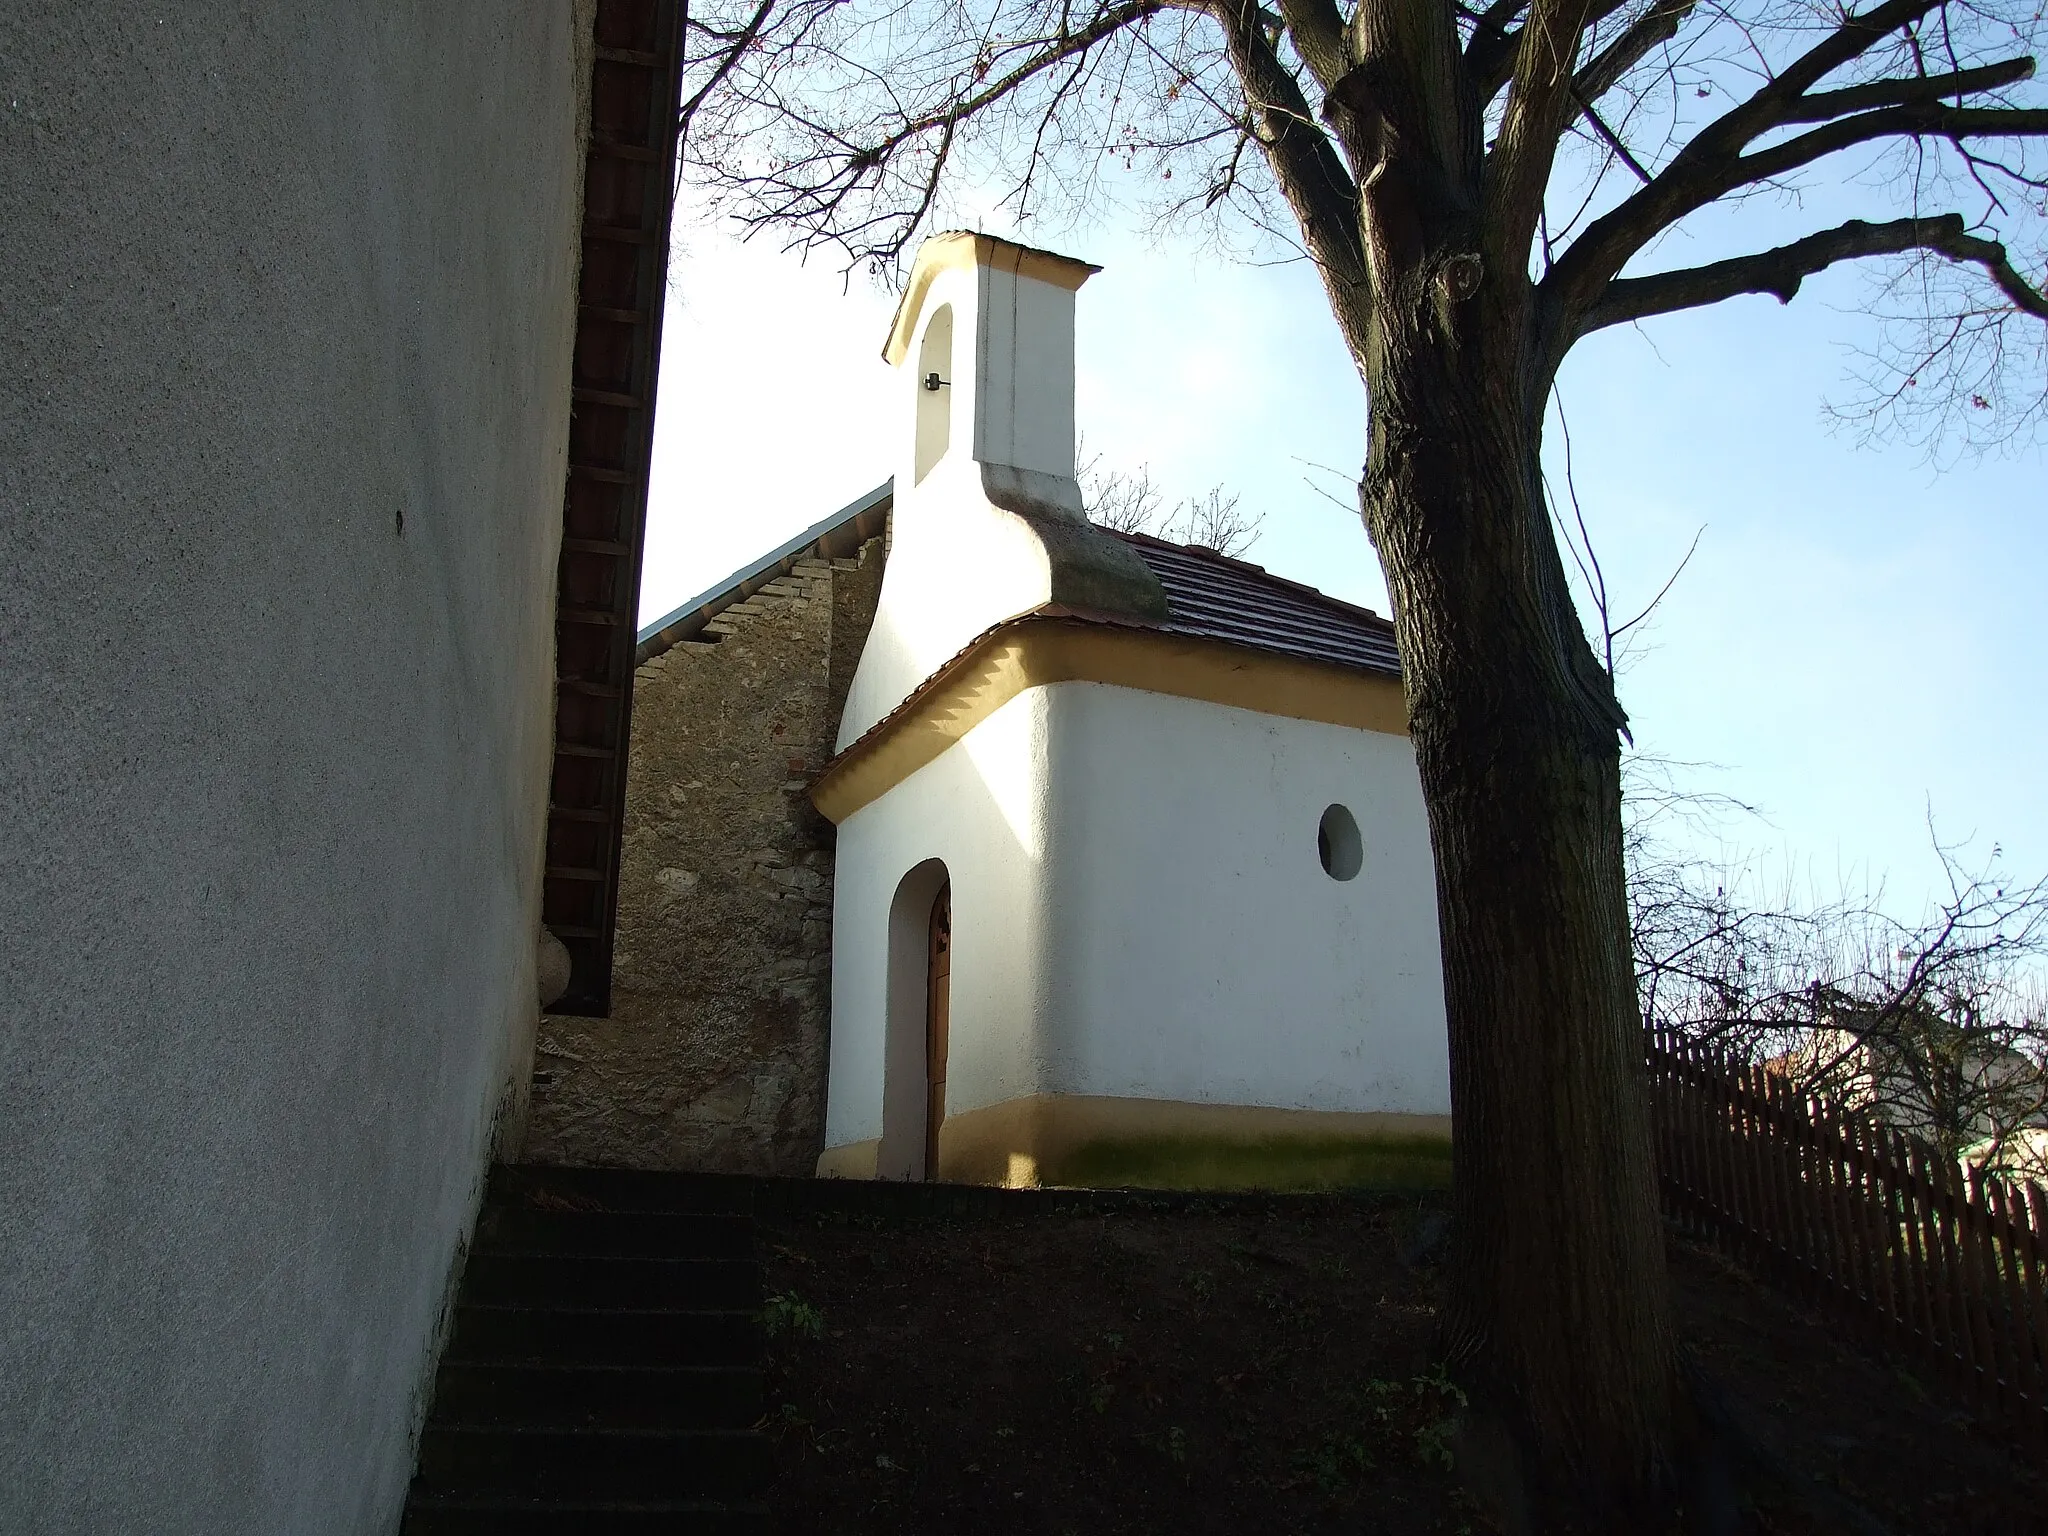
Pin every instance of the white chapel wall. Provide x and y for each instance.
(956, 564)
(1199, 952)
(1140, 913)
(988, 521)
(981, 809)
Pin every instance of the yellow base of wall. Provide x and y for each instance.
(1068, 1140)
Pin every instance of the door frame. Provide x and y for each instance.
(905, 1024)
(938, 994)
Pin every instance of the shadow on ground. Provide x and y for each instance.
(1245, 1365)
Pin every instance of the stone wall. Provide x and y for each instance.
(714, 1057)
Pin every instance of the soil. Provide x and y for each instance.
(1244, 1365)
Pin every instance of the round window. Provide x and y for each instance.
(1338, 844)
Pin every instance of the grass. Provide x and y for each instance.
(1289, 1163)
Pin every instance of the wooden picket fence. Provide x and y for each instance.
(1857, 1217)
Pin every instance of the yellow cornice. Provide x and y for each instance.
(1033, 652)
(963, 248)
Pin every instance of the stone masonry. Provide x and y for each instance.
(714, 1057)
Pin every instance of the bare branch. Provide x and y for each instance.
(1130, 501)
(733, 46)
(1613, 140)
(1854, 37)
(1066, 46)
(1820, 107)
(1215, 520)
(1311, 175)
(1490, 55)
(1780, 271)
(1918, 120)
(1705, 168)
(1655, 27)
(1125, 500)
(1699, 176)
(1582, 552)
(1643, 613)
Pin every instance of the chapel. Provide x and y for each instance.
(965, 839)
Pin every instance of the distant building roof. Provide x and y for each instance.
(1212, 596)
(837, 536)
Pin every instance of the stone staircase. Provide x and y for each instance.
(604, 1373)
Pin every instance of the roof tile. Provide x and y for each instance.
(1212, 596)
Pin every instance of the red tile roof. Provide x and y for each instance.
(1209, 596)
(1212, 596)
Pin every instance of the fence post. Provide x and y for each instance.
(1800, 1159)
(1712, 1140)
(1955, 1310)
(1918, 1265)
(2034, 1250)
(1882, 1230)
(2011, 1285)
(1847, 1256)
(1774, 1155)
(1708, 1147)
(1980, 1263)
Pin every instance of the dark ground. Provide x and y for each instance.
(1247, 1366)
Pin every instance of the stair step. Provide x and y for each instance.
(620, 1397)
(586, 1336)
(614, 1234)
(430, 1516)
(621, 1189)
(604, 1371)
(592, 1464)
(552, 1280)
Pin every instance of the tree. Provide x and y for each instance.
(1479, 188)
(1129, 502)
(1939, 1027)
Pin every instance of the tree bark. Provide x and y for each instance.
(1558, 1309)
(1558, 1313)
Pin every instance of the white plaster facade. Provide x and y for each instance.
(1139, 910)
(275, 763)
(969, 541)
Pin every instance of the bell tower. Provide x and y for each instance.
(988, 522)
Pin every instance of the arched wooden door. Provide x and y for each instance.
(937, 997)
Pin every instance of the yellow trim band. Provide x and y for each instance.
(1033, 653)
(962, 249)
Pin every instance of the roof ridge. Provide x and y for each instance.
(681, 623)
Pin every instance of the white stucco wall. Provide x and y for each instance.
(1149, 919)
(958, 564)
(1200, 952)
(981, 808)
(272, 772)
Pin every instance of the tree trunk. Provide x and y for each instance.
(1558, 1316)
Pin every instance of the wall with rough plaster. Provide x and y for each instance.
(714, 1057)
(286, 307)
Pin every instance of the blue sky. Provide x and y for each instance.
(1856, 644)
